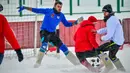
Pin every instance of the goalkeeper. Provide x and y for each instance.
(53, 16)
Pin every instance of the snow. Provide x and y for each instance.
(50, 64)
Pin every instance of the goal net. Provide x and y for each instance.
(25, 25)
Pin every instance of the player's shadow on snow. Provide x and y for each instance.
(59, 66)
(75, 70)
(68, 68)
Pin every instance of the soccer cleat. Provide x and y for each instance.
(39, 59)
(119, 65)
(107, 62)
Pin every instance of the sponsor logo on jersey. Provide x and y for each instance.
(52, 15)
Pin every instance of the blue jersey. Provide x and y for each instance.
(51, 20)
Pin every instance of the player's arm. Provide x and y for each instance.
(35, 10)
(65, 22)
(92, 39)
(9, 35)
(111, 27)
(24, 7)
(102, 31)
(68, 24)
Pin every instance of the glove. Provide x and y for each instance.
(19, 54)
(1, 58)
(21, 8)
(78, 20)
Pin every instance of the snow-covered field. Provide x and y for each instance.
(51, 64)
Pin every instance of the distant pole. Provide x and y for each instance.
(35, 30)
(41, 2)
(122, 3)
(24, 2)
(70, 7)
(8, 1)
(118, 6)
(78, 2)
(99, 3)
(20, 4)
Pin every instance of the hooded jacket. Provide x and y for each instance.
(85, 39)
(6, 32)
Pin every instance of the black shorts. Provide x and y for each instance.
(51, 37)
(111, 47)
(83, 55)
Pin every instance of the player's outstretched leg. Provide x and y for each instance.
(119, 65)
(107, 62)
(72, 58)
(40, 55)
(39, 59)
(69, 55)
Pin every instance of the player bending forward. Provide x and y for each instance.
(113, 33)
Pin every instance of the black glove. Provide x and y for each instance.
(1, 58)
(19, 54)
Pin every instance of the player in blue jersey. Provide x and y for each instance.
(53, 16)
